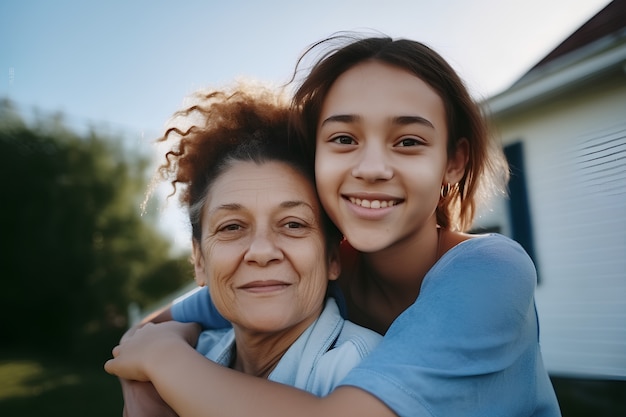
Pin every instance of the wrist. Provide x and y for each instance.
(158, 358)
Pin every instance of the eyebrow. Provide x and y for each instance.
(284, 204)
(409, 120)
(341, 118)
(296, 203)
(227, 207)
(398, 120)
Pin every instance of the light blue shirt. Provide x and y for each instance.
(316, 361)
(469, 345)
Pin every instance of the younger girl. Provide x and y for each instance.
(402, 158)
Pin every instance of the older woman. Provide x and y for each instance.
(263, 246)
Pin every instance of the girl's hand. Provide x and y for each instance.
(149, 345)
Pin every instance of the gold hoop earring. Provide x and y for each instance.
(445, 190)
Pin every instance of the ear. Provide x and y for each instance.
(198, 264)
(334, 265)
(457, 162)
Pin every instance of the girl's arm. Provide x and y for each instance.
(206, 390)
(194, 386)
(194, 307)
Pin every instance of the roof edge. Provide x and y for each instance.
(568, 72)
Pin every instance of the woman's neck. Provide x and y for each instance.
(258, 353)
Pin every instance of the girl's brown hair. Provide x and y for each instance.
(486, 170)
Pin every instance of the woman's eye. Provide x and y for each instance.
(343, 140)
(230, 228)
(296, 228)
(294, 225)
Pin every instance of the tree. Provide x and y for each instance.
(76, 250)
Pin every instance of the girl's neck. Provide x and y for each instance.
(401, 268)
(383, 284)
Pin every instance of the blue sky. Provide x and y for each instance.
(129, 64)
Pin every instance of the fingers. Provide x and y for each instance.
(110, 364)
(109, 367)
(130, 332)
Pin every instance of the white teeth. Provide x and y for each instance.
(374, 204)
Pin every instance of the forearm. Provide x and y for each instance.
(194, 386)
(159, 316)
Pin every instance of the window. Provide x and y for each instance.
(519, 208)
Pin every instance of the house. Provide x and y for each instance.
(563, 128)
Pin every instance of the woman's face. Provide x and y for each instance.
(380, 155)
(262, 251)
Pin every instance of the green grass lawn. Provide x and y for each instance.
(45, 387)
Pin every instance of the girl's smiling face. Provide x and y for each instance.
(381, 155)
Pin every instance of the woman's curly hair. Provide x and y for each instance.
(248, 122)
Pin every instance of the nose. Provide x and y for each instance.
(263, 249)
(372, 165)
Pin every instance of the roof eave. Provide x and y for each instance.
(558, 80)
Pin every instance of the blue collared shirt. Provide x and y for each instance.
(316, 361)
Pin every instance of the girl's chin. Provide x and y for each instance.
(367, 244)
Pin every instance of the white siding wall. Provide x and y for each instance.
(575, 160)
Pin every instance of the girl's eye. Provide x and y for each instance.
(343, 140)
(409, 142)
